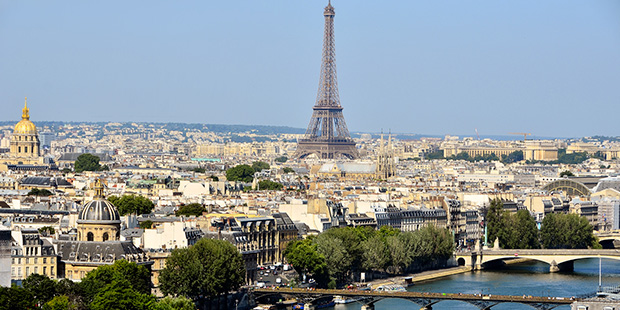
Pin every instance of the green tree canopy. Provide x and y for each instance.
(513, 157)
(132, 204)
(269, 185)
(306, 259)
(121, 295)
(47, 230)
(259, 166)
(206, 269)
(288, 170)
(192, 209)
(281, 159)
(174, 303)
(514, 231)
(567, 231)
(16, 297)
(146, 224)
(39, 192)
(566, 173)
(109, 279)
(42, 287)
(242, 173)
(87, 162)
(434, 155)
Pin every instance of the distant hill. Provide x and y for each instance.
(218, 128)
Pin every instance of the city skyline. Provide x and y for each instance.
(431, 68)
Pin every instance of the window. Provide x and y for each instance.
(19, 149)
(27, 271)
(44, 270)
(36, 269)
(36, 260)
(105, 237)
(90, 236)
(52, 271)
(70, 274)
(45, 260)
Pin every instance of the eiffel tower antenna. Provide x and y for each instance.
(327, 135)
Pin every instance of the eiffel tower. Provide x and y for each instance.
(327, 135)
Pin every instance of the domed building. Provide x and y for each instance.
(25, 140)
(24, 147)
(98, 240)
(99, 220)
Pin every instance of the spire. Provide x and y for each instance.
(98, 189)
(25, 110)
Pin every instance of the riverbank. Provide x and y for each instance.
(419, 277)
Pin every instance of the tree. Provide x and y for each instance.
(121, 295)
(281, 159)
(192, 209)
(567, 231)
(495, 220)
(288, 170)
(128, 204)
(375, 254)
(208, 268)
(269, 185)
(260, 166)
(434, 155)
(146, 224)
(47, 230)
(16, 297)
(242, 173)
(175, 303)
(513, 157)
(528, 232)
(42, 287)
(39, 192)
(566, 173)
(337, 258)
(59, 303)
(87, 162)
(122, 274)
(305, 258)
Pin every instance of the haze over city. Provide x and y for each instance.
(445, 67)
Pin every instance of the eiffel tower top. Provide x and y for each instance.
(328, 95)
(329, 9)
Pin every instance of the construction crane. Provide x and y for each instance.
(524, 134)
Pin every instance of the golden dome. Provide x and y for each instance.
(25, 126)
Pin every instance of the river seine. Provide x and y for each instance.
(530, 278)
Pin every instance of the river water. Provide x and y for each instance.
(531, 278)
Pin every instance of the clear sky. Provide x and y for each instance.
(551, 68)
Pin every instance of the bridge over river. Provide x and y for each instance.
(558, 260)
(424, 300)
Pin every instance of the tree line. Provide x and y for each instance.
(332, 257)
(193, 274)
(122, 285)
(519, 230)
(513, 157)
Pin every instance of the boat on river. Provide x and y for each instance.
(390, 288)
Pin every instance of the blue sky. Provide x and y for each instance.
(551, 68)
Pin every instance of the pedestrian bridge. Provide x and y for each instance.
(558, 260)
(424, 300)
